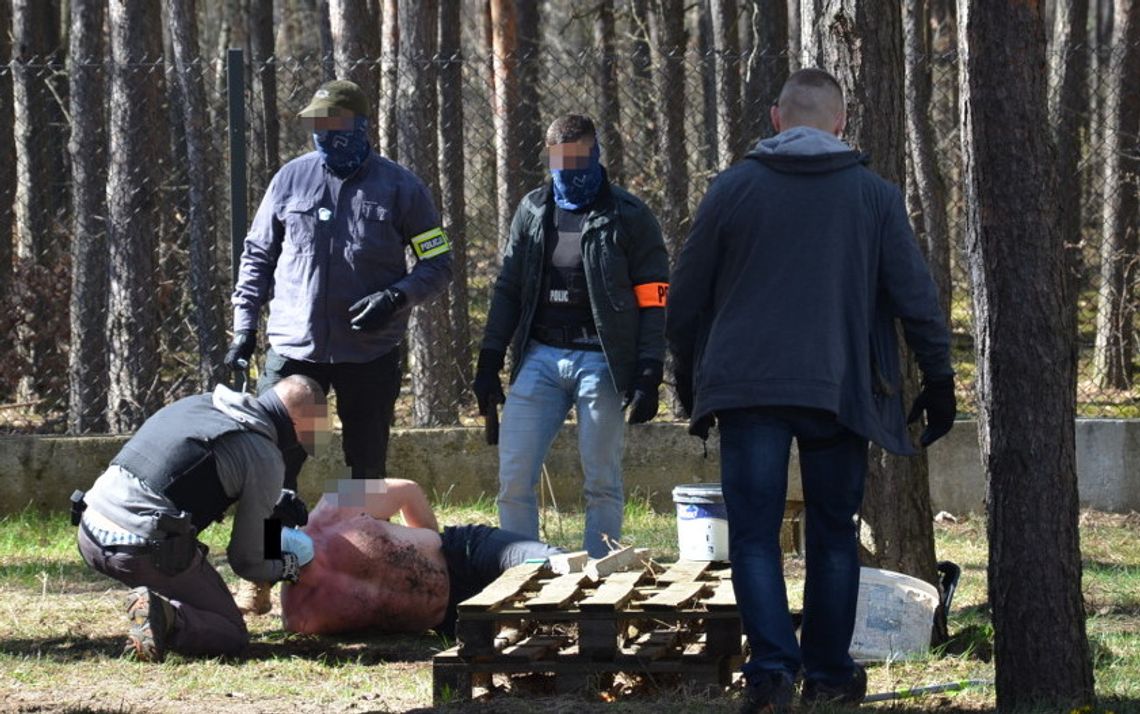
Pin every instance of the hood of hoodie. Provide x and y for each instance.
(803, 149)
(244, 408)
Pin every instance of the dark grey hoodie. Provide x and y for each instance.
(787, 289)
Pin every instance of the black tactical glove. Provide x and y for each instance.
(241, 349)
(373, 312)
(488, 387)
(290, 509)
(683, 385)
(938, 401)
(642, 400)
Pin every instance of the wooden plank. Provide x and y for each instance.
(616, 561)
(557, 593)
(564, 563)
(723, 597)
(684, 571)
(614, 592)
(533, 648)
(675, 596)
(655, 645)
(506, 586)
(450, 678)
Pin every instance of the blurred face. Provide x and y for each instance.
(312, 427)
(570, 155)
(340, 122)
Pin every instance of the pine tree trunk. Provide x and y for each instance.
(530, 131)
(726, 48)
(261, 43)
(389, 74)
(861, 44)
(767, 68)
(708, 77)
(609, 104)
(1116, 309)
(87, 367)
(131, 184)
(642, 94)
(668, 28)
(453, 200)
(354, 34)
(432, 359)
(7, 156)
(505, 102)
(1025, 360)
(795, 35)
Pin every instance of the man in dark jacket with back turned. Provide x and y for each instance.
(781, 322)
(580, 300)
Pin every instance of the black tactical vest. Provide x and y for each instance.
(173, 454)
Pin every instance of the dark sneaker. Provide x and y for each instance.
(852, 692)
(151, 618)
(768, 694)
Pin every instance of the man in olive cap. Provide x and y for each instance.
(327, 252)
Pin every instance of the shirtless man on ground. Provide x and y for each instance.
(369, 573)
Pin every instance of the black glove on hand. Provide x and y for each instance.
(488, 387)
(642, 400)
(373, 312)
(683, 385)
(938, 401)
(241, 349)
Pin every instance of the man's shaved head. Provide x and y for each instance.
(810, 97)
(305, 401)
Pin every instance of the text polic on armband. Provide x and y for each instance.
(651, 294)
(430, 243)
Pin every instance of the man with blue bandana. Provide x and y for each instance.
(580, 300)
(327, 251)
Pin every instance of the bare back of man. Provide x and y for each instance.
(368, 573)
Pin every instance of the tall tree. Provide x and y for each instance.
(389, 75)
(1025, 359)
(641, 91)
(609, 104)
(708, 71)
(726, 48)
(87, 368)
(1116, 308)
(432, 360)
(795, 35)
(7, 153)
(505, 102)
(861, 44)
(934, 230)
(767, 66)
(530, 132)
(453, 200)
(667, 24)
(132, 318)
(205, 316)
(262, 55)
(355, 33)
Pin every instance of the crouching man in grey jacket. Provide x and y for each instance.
(179, 473)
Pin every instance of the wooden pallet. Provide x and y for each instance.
(585, 626)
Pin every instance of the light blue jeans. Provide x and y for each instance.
(551, 381)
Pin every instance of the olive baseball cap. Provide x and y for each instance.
(336, 98)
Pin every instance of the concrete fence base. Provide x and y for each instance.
(40, 472)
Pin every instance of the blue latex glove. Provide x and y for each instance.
(298, 543)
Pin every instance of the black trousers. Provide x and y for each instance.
(365, 401)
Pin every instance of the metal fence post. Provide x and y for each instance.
(235, 84)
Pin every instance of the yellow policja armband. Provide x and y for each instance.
(430, 243)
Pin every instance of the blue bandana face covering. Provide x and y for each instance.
(344, 150)
(575, 189)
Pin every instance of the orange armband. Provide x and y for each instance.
(651, 294)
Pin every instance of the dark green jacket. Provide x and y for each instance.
(621, 248)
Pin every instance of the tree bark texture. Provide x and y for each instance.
(531, 133)
(767, 67)
(1025, 360)
(1116, 309)
(726, 50)
(795, 38)
(860, 43)
(132, 318)
(505, 102)
(668, 28)
(355, 33)
(934, 233)
(641, 92)
(609, 103)
(453, 200)
(205, 316)
(708, 77)
(87, 366)
(389, 75)
(261, 42)
(7, 153)
(431, 359)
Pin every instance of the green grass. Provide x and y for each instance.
(61, 633)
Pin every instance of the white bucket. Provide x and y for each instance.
(702, 522)
(894, 616)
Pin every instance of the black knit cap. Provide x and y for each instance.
(336, 98)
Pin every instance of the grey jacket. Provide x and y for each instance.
(318, 244)
(250, 469)
(787, 290)
(621, 248)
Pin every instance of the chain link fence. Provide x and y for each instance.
(116, 255)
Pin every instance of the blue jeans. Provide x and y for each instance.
(754, 447)
(552, 380)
